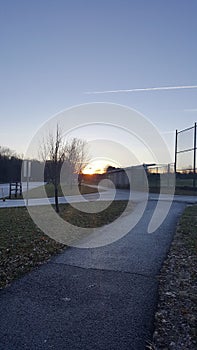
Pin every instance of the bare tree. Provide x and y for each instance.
(56, 152)
(77, 156)
(53, 152)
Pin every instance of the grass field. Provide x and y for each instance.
(183, 186)
(63, 190)
(188, 228)
(184, 182)
(23, 245)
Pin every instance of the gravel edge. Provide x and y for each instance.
(176, 315)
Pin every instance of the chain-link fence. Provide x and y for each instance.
(185, 157)
(185, 168)
(160, 173)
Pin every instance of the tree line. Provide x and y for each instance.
(10, 165)
(72, 159)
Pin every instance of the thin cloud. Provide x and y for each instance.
(160, 88)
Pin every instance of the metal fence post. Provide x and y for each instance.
(194, 171)
(175, 159)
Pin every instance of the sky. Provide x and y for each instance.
(55, 51)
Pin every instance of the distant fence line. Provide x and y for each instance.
(136, 177)
(143, 177)
(161, 169)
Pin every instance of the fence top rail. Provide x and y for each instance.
(187, 129)
(186, 150)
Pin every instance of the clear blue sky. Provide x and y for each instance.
(53, 51)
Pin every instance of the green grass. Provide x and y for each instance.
(23, 245)
(184, 186)
(66, 190)
(187, 231)
(188, 228)
(63, 190)
(178, 190)
(185, 192)
(82, 217)
(175, 319)
(184, 182)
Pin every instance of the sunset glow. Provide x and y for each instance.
(98, 167)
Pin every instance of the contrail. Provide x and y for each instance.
(144, 89)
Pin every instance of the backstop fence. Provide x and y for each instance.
(184, 168)
(185, 155)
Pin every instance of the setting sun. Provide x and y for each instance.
(98, 167)
(88, 170)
